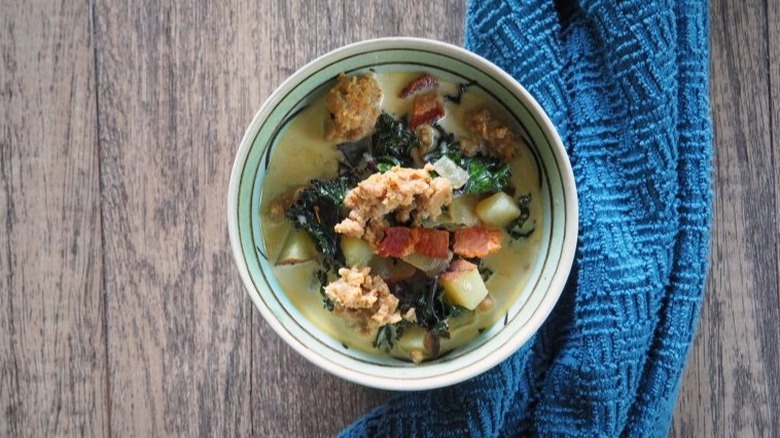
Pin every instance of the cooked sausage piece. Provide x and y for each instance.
(409, 193)
(490, 132)
(362, 299)
(354, 106)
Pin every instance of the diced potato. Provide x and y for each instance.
(464, 288)
(498, 210)
(412, 342)
(413, 338)
(429, 265)
(462, 210)
(356, 251)
(298, 248)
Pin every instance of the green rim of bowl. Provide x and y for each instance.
(559, 201)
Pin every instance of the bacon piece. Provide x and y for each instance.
(476, 242)
(402, 241)
(424, 82)
(426, 109)
(398, 242)
(432, 243)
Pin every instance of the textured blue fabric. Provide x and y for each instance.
(626, 84)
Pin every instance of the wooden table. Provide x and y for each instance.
(121, 312)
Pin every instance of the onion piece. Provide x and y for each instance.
(447, 168)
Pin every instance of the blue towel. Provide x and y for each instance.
(626, 84)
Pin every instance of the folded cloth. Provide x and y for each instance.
(626, 84)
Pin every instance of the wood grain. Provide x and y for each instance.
(773, 28)
(172, 106)
(121, 311)
(52, 344)
(731, 384)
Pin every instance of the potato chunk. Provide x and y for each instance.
(463, 285)
(498, 210)
(356, 251)
(462, 210)
(298, 248)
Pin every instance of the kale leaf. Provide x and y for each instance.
(322, 277)
(393, 139)
(462, 87)
(387, 335)
(317, 210)
(353, 152)
(389, 146)
(517, 229)
(357, 163)
(431, 305)
(484, 271)
(486, 173)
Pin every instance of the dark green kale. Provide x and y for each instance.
(484, 271)
(317, 210)
(461, 89)
(353, 152)
(441, 328)
(394, 140)
(357, 163)
(383, 164)
(387, 335)
(391, 145)
(486, 173)
(431, 305)
(322, 277)
(517, 228)
(445, 145)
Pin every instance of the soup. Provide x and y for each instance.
(399, 211)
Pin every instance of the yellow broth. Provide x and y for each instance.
(302, 154)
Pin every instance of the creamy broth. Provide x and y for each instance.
(303, 154)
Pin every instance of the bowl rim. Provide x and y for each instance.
(557, 283)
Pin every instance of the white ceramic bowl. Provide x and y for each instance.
(559, 223)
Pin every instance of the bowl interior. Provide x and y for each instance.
(556, 189)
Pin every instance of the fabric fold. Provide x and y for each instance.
(626, 84)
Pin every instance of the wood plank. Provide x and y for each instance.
(731, 384)
(773, 61)
(52, 344)
(773, 24)
(173, 104)
(288, 392)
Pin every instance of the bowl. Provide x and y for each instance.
(558, 228)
